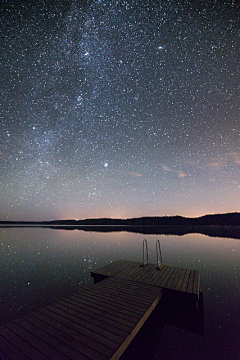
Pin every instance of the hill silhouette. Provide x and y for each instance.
(228, 219)
(223, 225)
(232, 219)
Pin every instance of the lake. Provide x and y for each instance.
(40, 265)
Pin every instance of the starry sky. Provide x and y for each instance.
(119, 108)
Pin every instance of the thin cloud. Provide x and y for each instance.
(228, 159)
(235, 157)
(216, 165)
(129, 173)
(166, 168)
(181, 174)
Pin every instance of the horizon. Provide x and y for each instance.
(100, 218)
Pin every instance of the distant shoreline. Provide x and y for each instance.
(230, 219)
(219, 225)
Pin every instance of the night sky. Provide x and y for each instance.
(119, 108)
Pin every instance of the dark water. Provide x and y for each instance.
(39, 266)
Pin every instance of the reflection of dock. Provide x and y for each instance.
(100, 321)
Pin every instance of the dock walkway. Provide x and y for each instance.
(96, 324)
(99, 322)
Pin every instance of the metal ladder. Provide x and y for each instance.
(145, 263)
(159, 255)
(158, 252)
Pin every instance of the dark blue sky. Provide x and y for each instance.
(119, 108)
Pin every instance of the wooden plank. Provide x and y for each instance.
(106, 298)
(160, 275)
(123, 313)
(196, 284)
(37, 339)
(100, 333)
(128, 269)
(87, 327)
(8, 352)
(180, 280)
(51, 345)
(127, 272)
(137, 287)
(171, 284)
(185, 281)
(124, 306)
(155, 274)
(109, 268)
(119, 301)
(91, 317)
(18, 343)
(67, 332)
(190, 282)
(71, 347)
(171, 279)
(82, 319)
(119, 266)
(76, 311)
(143, 274)
(164, 281)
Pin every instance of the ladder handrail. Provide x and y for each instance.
(159, 253)
(144, 263)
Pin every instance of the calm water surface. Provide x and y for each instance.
(39, 266)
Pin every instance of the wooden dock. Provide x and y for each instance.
(96, 324)
(178, 280)
(99, 322)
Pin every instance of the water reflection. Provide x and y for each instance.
(39, 266)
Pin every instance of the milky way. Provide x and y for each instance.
(119, 108)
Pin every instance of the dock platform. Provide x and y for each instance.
(99, 322)
(171, 279)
